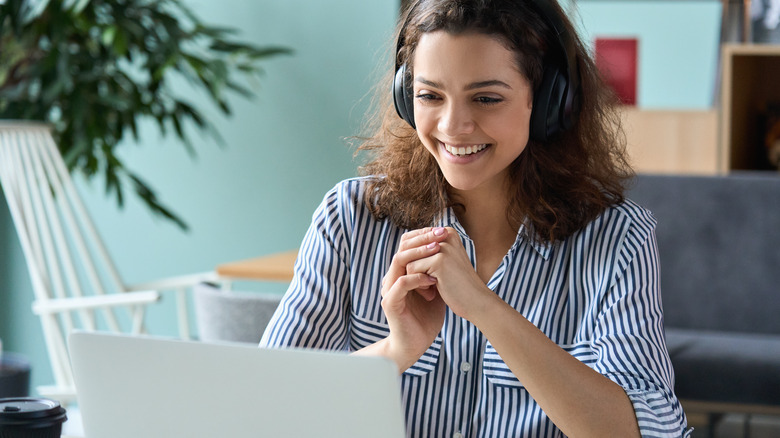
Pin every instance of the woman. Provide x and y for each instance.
(489, 250)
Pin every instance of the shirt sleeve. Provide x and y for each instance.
(630, 344)
(314, 311)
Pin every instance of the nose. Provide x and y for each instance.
(456, 119)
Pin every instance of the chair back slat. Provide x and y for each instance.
(62, 222)
(64, 254)
(19, 203)
(48, 188)
(77, 214)
(33, 188)
(75, 283)
(17, 194)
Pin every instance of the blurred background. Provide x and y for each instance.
(283, 150)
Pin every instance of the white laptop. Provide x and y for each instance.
(143, 387)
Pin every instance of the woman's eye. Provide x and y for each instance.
(486, 100)
(426, 96)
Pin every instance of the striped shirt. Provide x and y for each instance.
(595, 294)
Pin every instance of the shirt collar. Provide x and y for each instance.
(542, 248)
(449, 219)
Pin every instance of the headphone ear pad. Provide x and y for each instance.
(403, 95)
(549, 104)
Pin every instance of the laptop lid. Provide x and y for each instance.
(130, 387)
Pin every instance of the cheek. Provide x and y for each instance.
(425, 127)
(430, 145)
(422, 116)
(518, 121)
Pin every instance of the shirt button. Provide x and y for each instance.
(457, 435)
(465, 367)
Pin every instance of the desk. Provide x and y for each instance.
(274, 267)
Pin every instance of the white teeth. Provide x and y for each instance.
(462, 151)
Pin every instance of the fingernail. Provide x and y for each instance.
(433, 279)
(438, 231)
(431, 245)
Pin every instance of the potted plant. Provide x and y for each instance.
(93, 69)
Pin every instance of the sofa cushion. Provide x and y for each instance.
(725, 367)
(719, 247)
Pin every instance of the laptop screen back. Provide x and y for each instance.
(130, 387)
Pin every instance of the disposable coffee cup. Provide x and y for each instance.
(27, 417)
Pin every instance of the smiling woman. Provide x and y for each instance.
(488, 250)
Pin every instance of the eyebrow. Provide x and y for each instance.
(472, 86)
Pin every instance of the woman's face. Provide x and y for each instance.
(472, 107)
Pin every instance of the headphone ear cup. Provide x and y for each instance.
(547, 116)
(403, 98)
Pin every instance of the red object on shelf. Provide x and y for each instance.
(616, 59)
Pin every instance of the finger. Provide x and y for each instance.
(424, 265)
(401, 260)
(428, 293)
(423, 236)
(405, 283)
(395, 297)
(414, 245)
(406, 256)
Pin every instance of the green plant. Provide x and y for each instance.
(94, 69)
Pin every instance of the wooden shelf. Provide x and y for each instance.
(712, 141)
(672, 141)
(749, 82)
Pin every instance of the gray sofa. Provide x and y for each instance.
(719, 246)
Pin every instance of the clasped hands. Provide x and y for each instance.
(430, 272)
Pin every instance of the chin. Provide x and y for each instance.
(463, 184)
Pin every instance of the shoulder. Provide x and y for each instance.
(354, 184)
(637, 237)
(620, 219)
(349, 192)
(344, 204)
(617, 235)
(631, 214)
(639, 220)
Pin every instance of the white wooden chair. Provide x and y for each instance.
(75, 283)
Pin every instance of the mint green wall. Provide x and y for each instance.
(256, 194)
(285, 149)
(678, 46)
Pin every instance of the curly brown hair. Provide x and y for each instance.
(560, 186)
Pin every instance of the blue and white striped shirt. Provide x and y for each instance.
(596, 294)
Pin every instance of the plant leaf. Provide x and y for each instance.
(96, 68)
(148, 195)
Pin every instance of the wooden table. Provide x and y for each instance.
(273, 267)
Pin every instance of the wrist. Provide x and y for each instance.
(403, 357)
(486, 308)
(384, 348)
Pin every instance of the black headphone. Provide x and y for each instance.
(557, 99)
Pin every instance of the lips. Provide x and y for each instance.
(464, 150)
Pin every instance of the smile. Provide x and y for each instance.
(462, 151)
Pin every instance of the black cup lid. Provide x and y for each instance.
(27, 409)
